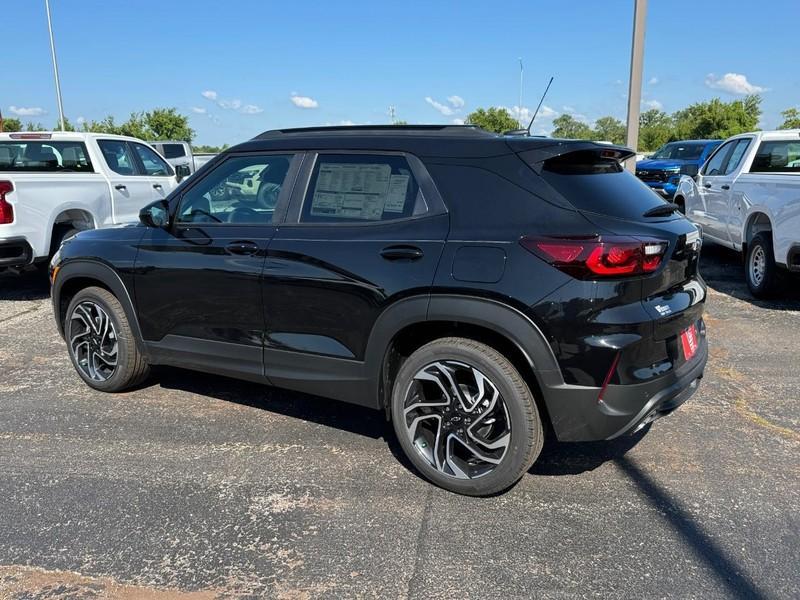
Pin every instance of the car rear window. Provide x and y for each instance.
(44, 157)
(173, 151)
(599, 186)
(780, 156)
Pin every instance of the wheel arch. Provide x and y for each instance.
(757, 221)
(407, 326)
(80, 274)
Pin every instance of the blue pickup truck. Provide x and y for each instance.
(664, 168)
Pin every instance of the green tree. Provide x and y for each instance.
(31, 126)
(106, 125)
(791, 119)
(168, 124)
(400, 122)
(567, 126)
(12, 125)
(205, 149)
(495, 119)
(717, 119)
(656, 128)
(610, 129)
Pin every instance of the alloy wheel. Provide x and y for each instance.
(758, 264)
(457, 420)
(93, 341)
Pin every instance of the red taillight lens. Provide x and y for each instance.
(599, 256)
(6, 210)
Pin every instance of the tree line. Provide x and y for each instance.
(714, 119)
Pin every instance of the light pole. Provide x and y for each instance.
(635, 83)
(521, 124)
(55, 65)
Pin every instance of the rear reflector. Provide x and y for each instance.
(596, 257)
(6, 210)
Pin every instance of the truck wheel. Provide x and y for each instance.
(100, 342)
(465, 417)
(764, 277)
(61, 233)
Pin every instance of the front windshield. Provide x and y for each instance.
(679, 151)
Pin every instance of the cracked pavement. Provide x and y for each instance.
(195, 486)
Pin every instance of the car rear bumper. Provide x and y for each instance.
(578, 415)
(15, 252)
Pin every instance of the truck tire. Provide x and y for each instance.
(764, 276)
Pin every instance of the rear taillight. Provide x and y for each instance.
(595, 257)
(6, 210)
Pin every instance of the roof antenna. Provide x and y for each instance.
(536, 112)
(527, 131)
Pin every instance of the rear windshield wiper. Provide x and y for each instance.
(663, 210)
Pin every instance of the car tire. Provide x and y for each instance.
(503, 430)
(100, 342)
(764, 277)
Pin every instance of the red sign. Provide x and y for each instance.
(689, 342)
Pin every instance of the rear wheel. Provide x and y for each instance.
(763, 276)
(101, 343)
(465, 417)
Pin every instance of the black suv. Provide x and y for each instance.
(481, 289)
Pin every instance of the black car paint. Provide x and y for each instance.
(316, 307)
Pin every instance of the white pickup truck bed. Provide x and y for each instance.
(52, 184)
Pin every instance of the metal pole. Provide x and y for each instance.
(521, 125)
(635, 83)
(55, 66)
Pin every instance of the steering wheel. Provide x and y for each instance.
(244, 214)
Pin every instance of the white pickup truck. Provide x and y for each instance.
(55, 184)
(747, 197)
(180, 155)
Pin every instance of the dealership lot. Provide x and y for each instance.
(216, 488)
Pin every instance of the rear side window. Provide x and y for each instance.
(118, 157)
(359, 188)
(736, 156)
(44, 157)
(173, 150)
(716, 164)
(599, 186)
(779, 156)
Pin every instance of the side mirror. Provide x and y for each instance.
(182, 172)
(155, 214)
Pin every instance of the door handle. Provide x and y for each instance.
(402, 253)
(120, 187)
(726, 187)
(157, 186)
(242, 248)
(708, 185)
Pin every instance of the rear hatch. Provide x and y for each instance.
(620, 207)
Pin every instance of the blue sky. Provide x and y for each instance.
(265, 64)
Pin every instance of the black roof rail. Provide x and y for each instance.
(448, 130)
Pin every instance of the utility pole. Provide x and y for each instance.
(635, 82)
(391, 113)
(521, 124)
(55, 65)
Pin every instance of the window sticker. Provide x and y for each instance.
(396, 196)
(356, 191)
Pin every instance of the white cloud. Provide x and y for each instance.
(545, 114)
(733, 83)
(653, 81)
(650, 104)
(27, 111)
(303, 101)
(251, 109)
(209, 95)
(456, 101)
(346, 122)
(234, 104)
(458, 121)
(199, 111)
(568, 109)
(80, 120)
(442, 108)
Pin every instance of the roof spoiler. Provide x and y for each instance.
(536, 157)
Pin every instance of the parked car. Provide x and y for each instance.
(55, 184)
(747, 197)
(179, 154)
(479, 289)
(662, 171)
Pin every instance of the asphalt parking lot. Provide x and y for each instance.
(202, 487)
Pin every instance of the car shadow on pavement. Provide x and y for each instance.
(26, 285)
(723, 271)
(738, 583)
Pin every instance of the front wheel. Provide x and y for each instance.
(100, 342)
(465, 417)
(763, 275)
